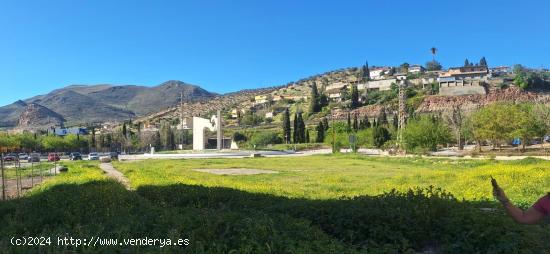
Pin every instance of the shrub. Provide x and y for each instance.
(265, 138)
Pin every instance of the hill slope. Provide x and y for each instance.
(99, 103)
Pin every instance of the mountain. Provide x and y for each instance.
(78, 104)
(35, 115)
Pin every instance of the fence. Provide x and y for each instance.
(19, 175)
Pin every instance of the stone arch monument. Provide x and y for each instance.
(199, 124)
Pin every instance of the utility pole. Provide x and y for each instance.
(181, 120)
(402, 113)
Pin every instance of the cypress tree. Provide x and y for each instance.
(286, 126)
(124, 130)
(295, 134)
(355, 123)
(354, 96)
(382, 118)
(325, 124)
(395, 121)
(483, 62)
(466, 63)
(301, 129)
(314, 101)
(366, 122)
(320, 133)
(349, 123)
(307, 136)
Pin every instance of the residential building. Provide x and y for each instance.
(500, 70)
(67, 131)
(378, 73)
(470, 72)
(260, 99)
(416, 69)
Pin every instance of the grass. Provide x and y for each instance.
(329, 176)
(299, 210)
(38, 169)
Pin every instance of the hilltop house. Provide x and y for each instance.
(336, 93)
(377, 85)
(416, 69)
(260, 99)
(378, 73)
(463, 80)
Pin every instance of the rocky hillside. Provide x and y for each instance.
(35, 116)
(78, 104)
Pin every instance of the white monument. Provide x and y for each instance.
(198, 130)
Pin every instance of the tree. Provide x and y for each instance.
(395, 122)
(124, 130)
(483, 62)
(307, 140)
(325, 123)
(530, 125)
(365, 72)
(380, 136)
(466, 63)
(354, 96)
(320, 133)
(286, 126)
(455, 118)
(424, 134)
(496, 122)
(404, 68)
(295, 135)
(348, 127)
(314, 101)
(365, 123)
(355, 123)
(301, 129)
(382, 118)
(433, 50)
(433, 66)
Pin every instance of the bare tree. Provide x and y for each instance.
(455, 117)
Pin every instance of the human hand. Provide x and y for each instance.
(498, 193)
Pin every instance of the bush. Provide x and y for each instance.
(239, 137)
(265, 138)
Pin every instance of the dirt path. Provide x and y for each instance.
(115, 174)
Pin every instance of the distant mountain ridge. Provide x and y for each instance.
(79, 104)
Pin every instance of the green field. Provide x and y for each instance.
(316, 204)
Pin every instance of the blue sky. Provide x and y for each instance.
(231, 45)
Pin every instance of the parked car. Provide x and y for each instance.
(23, 156)
(10, 157)
(113, 155)
(75, 156)
(93, 156)
(53, 157)
(34, 157)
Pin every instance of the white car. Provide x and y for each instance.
(93, 156)
(23, 156)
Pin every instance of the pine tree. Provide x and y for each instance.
(382, 118)
(314, 101)
(354, 96)
(286, 126)
(483, 62)
(355, 123)
(395, 121)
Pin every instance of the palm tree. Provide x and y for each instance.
(433, 50)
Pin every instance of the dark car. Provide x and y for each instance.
(53, 157)
(113, 155)
(10, 157)
(75, 156)
(34, 157)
